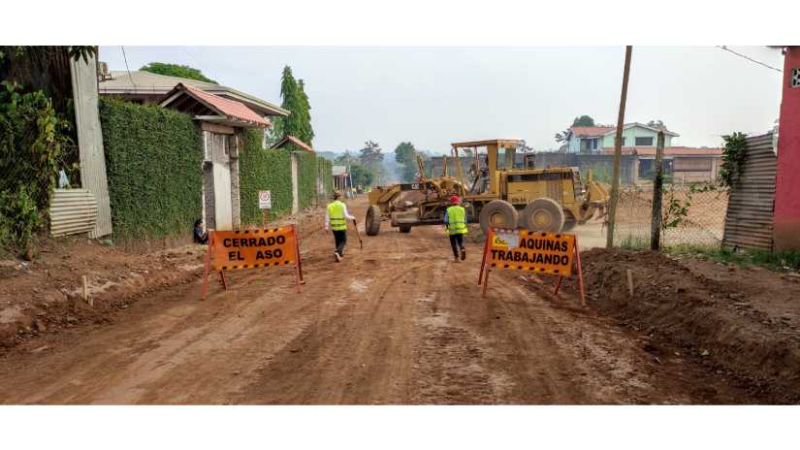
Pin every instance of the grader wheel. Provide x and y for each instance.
(498, 214)
(373, 222)
(543, 215)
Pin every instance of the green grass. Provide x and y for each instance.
(776, 261)
(631, 242)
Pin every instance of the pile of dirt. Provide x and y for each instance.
(719, 322)
(46, 295)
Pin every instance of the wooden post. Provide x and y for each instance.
(612, 204)
(86, 298)
(630, 282)
(266, 217)
(658, 185)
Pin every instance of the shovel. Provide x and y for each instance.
(360, 242)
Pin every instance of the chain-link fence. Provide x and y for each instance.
(692, 215)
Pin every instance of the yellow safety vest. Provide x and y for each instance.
(456, 220)
(336, 215)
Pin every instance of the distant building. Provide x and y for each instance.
(341, 179)
(592, 140)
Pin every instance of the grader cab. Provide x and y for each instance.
(498, 193)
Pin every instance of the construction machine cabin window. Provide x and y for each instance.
(645, 141)
(551, 176)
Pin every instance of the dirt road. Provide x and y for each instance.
(396, 323)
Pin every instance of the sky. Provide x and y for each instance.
(432, 96)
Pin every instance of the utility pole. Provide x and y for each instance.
(658, 184)
(612, 204)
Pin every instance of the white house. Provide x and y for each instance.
(592, 140)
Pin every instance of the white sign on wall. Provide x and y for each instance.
(264, 200)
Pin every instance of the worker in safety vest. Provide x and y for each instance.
(336, 218)
(455, 221)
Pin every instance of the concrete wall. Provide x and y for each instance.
(787, 188)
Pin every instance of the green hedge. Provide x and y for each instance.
(154, 164)
(307, 178)
(326, 169)
(263, 170)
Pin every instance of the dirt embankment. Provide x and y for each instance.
(739, 324)
(45, 296)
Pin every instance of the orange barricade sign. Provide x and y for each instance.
(550, 253)
(253, 249)
(536, 252)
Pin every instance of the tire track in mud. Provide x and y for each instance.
(396, 323)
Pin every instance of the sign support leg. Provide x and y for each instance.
(486, 247)
(208, 266)
(580, 273)
(558, 285)
(297, 254)
(485, 282)
(222, 280)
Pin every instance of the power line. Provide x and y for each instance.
(723, 47)
(126, 66)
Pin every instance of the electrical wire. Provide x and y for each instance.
(723, 47)
(124, 56)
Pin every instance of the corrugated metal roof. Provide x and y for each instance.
(72, 211)
(146, 83)
(338, 171)
(748, 222)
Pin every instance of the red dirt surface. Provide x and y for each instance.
(395, 323)
(739, 325)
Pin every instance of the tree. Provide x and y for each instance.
(657, 124)
(371, 154)
(176, 70)
(580, 121)
(362, 176)
(295, 100)
(406, 155)
(307, 134)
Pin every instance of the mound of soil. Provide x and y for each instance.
(722, 318)
(46, 295)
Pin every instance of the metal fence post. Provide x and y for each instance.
(658, 184)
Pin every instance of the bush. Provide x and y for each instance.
(326, 169)
(307, 178)
(33, 142)
(263, 170)
(154, 164)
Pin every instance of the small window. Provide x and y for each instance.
(796, 77)
(645, 141)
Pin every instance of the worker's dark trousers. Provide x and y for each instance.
(457, 242)
(340, 236)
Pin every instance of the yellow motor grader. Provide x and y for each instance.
(499, 195)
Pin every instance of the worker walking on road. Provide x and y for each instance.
(455, 221)
(336, 218)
